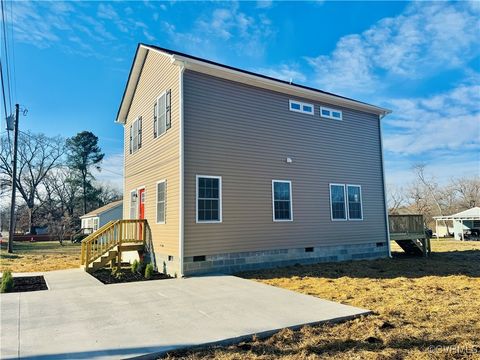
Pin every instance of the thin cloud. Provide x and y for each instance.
(425, 38)
(447, 121)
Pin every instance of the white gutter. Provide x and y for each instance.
(384, 187)
(181, 165)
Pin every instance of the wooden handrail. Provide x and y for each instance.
(110, 235)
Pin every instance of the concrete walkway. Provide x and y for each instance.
(135, 319)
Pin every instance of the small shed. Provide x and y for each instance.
(465, 223)
(95, 219)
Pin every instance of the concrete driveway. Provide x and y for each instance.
(97, 321)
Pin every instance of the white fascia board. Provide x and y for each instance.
(270, 84)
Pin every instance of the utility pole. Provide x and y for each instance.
(14, 180)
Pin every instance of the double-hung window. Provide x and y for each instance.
(354, 197)
(282, 200)
(136, 135)
(161, 201)
(346, 202)
(301, 107)
(162, 119)
(209, 199)
(337, 202)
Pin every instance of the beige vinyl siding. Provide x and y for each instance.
(158, 158)
(244, 134)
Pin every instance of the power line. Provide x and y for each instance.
(3, 88)
(4, 35)
(12, 40)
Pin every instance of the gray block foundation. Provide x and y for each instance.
(229, 263)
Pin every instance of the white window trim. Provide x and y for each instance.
(361, 202)
(158, 118)
(344, 202)
(331, 116)
(291, 201)
(220, 217)
(164, 202)
(290, 102)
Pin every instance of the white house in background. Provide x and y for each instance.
(95, 219)
(463, 221)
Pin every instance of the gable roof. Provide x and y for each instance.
(470, 214)
(103, 209)
(235, 74)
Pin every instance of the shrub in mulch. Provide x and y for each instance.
(116, 276)
(22, 284)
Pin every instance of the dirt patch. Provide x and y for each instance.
(29, 283)
(422, 309)
(124, 276)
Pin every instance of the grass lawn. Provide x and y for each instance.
(40, 256)
(417, 303)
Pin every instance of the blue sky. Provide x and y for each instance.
(422, 60)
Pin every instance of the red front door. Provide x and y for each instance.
(141, 204)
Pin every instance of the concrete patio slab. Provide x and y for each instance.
(150, 318)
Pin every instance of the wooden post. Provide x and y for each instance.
(144, 230)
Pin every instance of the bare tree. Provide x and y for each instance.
(396, 198)
(37, 156)
(468, 191)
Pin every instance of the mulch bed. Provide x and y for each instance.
(29, 283)
(124, 276)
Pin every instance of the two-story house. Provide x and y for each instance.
(235, 170)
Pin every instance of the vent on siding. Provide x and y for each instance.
(170, 257)
(199, 258)
(309, 249)
(380, 244)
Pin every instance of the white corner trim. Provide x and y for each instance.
(181, 169)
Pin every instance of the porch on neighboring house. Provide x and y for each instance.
(465, 224)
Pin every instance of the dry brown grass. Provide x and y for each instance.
(417, 303)
(40, 256)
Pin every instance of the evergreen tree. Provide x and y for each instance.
(83, 154)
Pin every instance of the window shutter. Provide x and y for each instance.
(131, 139)
(140, 132)
(155, 120)
(168, 113)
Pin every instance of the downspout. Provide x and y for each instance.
(181, 174)
(384, 185)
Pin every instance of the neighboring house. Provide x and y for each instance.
(464, 224)
(95, 219)
(235, 170)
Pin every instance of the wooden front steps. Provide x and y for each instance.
(106, 245)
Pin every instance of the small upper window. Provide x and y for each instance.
(282, 200)
(337, 202)
(354, 194)
(302, 107)
(162, 114)
(330, 113)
